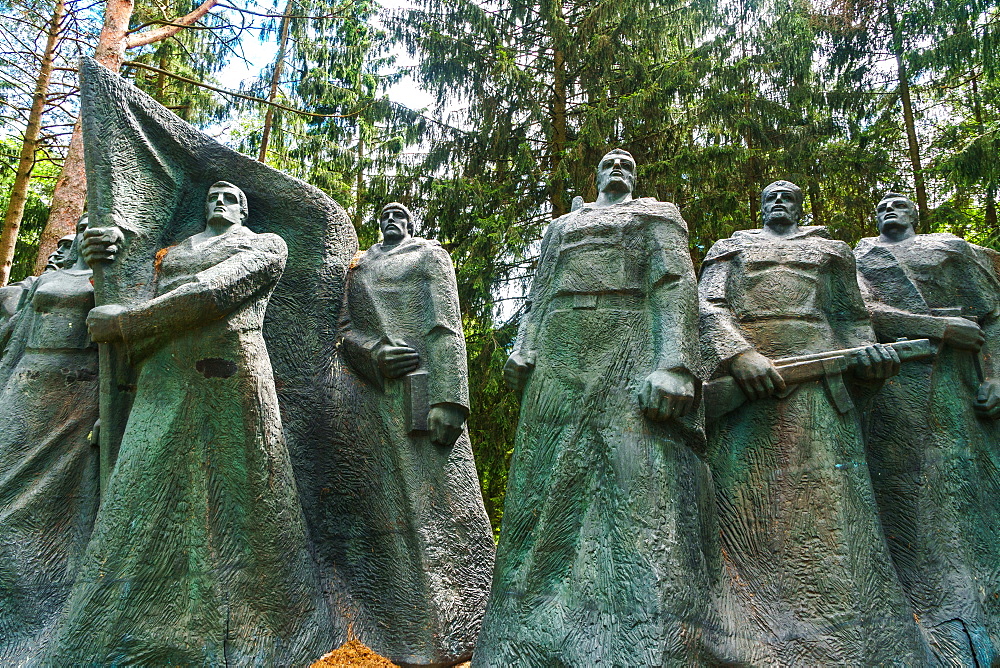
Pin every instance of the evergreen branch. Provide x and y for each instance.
(270, 15)
(242, 96)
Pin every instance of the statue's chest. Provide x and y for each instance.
(773, 279)
(391, 271)
(178, 264)
(929, 265)
(599, 254)
(64, 290)
(805, 259)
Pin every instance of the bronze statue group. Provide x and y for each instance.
(834, 501)
(227, 439)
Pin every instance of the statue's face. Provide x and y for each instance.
(61, 255)
(895, 214)
(393, 224)
(81, 226)
(223, 203)
(616, 173)
(781, 206)
(57, 259)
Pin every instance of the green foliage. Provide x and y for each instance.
(36, 209)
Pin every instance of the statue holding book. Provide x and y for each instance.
(416, 546)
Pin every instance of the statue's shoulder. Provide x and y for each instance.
(725, 249)
(865, 245)
(951, 242)
(267, 242)
(430, 248)
(648, 206)
(818, 233)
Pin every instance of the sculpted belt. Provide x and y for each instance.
(609, 301)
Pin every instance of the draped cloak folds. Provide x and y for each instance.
(199, 553)
(935, 464)
(812, 581)
(48, 463)
(604, 551)
(415, 545)
(148, 173)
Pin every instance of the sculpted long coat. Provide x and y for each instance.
(199, 552)
(935, 464)
(812, 582)
(415, 548)
(603, 553)
(48, 463)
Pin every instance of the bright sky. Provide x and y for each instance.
(260, 53)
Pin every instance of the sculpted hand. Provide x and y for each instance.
(104, 323)
(876, 362)
(100, 244)
(964, 334)
(756, 375)
(667, 394)
(445, 422)
(395, 360)
(517, 369)
(987, 404)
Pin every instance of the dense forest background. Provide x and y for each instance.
(714, 98)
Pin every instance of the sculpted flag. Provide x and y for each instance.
(148, 172)
(201, 499)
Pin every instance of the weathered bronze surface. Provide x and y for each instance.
(934, 442)
(48, 463)
(415, 546)
(604, 549)
(810, 578)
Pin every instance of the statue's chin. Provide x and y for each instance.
(780, 221)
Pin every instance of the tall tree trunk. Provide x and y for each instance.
(360, 178)
(70, 193)
(909, 124)
(26, 161)
(990, 213)
(557, 192)
(279, 64)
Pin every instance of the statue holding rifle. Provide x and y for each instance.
(934, 440)
(813, 582)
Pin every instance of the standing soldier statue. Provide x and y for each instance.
(934, 442)
(603, 554)
(415, 546)
(812, 579)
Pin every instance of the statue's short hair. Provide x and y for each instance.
(399, 206)
(784, 185)
(617, 151)
(892, 195)
(244, 209)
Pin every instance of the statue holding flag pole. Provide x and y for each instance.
(200, 550)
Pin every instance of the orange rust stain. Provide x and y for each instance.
(160, 254)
